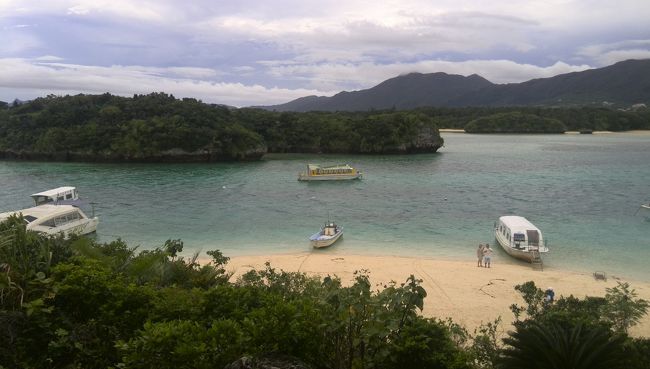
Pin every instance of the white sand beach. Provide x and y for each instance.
(457, 289)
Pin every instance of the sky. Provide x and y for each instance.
(264, 52)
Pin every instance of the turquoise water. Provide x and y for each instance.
(582, 191)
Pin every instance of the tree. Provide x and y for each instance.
(623, 310)
(550, 346)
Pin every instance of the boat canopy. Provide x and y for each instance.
(56, 195)
(316, 167)
(37, 212)
(518, 224)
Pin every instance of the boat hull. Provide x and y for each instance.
(79, 228)
(318, 241)
(338, 177)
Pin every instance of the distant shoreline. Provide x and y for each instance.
(457, 289)
(632, 132)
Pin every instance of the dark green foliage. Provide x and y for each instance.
(78, 304)
(618, 310)
(514, 122)
(551, 346)
(636, 353)
(104, 305)
(485, 344)
(623, 310)
(105, 127)
(424, 344)
(158, 127)
(574, 333)
(572, 118)
(183, 344)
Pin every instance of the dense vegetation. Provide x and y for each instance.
(514, 122)
(158, 127)
(573, 119)
(81, 304)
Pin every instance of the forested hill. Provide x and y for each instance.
(620, 85)
(159, 127)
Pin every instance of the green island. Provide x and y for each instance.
(78, 303)
(158, 127)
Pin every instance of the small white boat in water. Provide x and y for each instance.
(520, 238)
(328, 234)
(316, 172)
(53, 220)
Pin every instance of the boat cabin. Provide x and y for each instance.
(56, 196)
(518, 233)
(53, 219)
(316, 172)
(330, 229)
(314, 169)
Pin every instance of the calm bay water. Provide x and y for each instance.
(582, 191)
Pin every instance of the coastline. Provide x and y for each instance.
(637, 132)
(456, 289)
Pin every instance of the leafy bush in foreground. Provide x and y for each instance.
(80, 304)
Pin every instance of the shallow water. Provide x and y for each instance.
(582, 191)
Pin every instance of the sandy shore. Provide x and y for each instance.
(468, 294)
(628, 133)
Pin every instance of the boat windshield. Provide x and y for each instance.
(40, 199)
(519, 237)
(29, 218)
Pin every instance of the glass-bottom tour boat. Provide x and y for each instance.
(317, 172)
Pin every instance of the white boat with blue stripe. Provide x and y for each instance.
(328, 234)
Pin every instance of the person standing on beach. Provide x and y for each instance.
(487, 256)
(479, 255)
(549, 295)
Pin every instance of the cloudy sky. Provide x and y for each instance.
(259, 52)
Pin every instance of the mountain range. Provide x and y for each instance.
(622, 84)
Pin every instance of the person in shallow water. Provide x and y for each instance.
(479, 255)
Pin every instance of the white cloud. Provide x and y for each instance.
(305, 46)
(48, 58)
(368, 74)
(609, 53)
(615, 56)
(26, 76)
(201, 83)
(78, 10)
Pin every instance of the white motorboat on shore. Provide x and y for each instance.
(328, 234)
(54, 220)
(520, 238)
